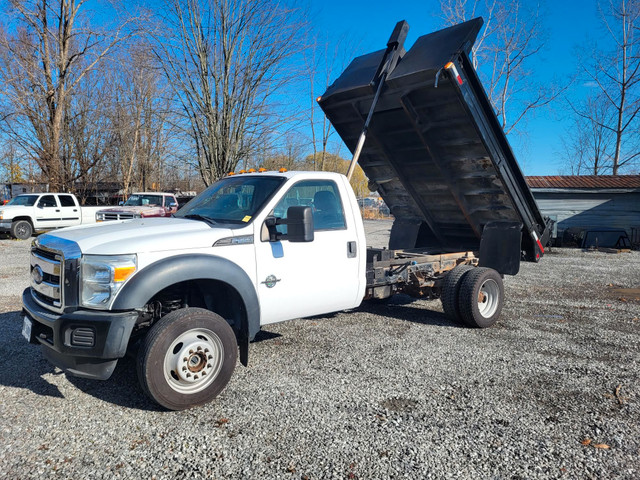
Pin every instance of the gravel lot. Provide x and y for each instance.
(385, 391)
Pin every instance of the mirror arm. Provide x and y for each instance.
(271, 223)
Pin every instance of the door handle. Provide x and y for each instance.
(352, 249)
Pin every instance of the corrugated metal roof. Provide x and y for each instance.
(585, 181)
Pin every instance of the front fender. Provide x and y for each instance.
(137, 292)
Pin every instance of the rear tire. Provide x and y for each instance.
(21, 229)
(481, 297)
(187, 358)
(450, 292)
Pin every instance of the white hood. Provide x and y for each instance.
(143, 235)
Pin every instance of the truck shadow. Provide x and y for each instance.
(121, 389)
(407, 309)
(23, 366)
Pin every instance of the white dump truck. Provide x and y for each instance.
(187, 293)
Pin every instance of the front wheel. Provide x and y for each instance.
(481, 297)
(21, 229)
(187, 358)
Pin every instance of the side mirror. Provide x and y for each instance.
(120, 203)
(299, 224)
(173, 205)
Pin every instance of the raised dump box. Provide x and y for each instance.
(434, 149)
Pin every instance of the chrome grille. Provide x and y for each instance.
(107, 216)
(47, 271)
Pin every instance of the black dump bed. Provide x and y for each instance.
(434, 150)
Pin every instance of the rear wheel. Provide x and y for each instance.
(21, 229)
(481, 297)
(187, 358)
(450, 292)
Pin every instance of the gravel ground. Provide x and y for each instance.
(385, 391)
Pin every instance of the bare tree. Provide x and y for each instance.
(142, 121)
(322, 59)
(42, 67)
(512, 36)
(587, 142)
(225, 60)
(11, 164)
(613, 70)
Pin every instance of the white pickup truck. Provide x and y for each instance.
(37, 212)
(187, 292)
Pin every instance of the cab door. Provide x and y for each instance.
(311, 278)
(47, 212)
(70, 213)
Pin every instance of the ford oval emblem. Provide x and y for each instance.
(271, 281)
(37, 275)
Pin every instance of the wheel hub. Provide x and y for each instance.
(488, 298)
(193, 360)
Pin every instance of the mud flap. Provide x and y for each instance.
(243, 346)
(500, 247)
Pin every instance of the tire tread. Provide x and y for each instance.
(450, 292)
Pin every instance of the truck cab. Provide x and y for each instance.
(141, 205)
(251, 250)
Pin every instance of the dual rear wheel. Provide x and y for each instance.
(473, 296)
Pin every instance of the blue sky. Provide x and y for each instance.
(368, 25)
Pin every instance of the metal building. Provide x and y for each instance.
(590, 201)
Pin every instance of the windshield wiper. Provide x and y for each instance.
(197, 216)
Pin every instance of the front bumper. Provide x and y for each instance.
(84, 343)
(5, 225)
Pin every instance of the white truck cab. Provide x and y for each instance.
(252, 249)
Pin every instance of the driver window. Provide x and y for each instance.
(323, 198)
(47, 201)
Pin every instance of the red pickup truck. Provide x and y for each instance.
(141, 205)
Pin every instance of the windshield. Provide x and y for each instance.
(25, 200)
(137, 200)
(233, 199)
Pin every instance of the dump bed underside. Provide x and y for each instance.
(432, 152)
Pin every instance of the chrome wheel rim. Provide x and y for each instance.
(193, 360)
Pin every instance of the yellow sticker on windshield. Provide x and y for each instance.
(246, 219)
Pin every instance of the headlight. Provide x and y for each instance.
(102, 277)
(1, 214)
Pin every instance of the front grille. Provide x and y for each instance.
(47, 271)
(107, 216)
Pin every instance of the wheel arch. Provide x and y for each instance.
(182, 269)
(22, 217)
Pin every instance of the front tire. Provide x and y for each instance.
(21, 229)
(481, 297)
(187, 358)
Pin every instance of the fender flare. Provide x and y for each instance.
(180, 268)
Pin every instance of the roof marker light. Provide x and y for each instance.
(261, 169)
(282, 170)
(252, 170)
